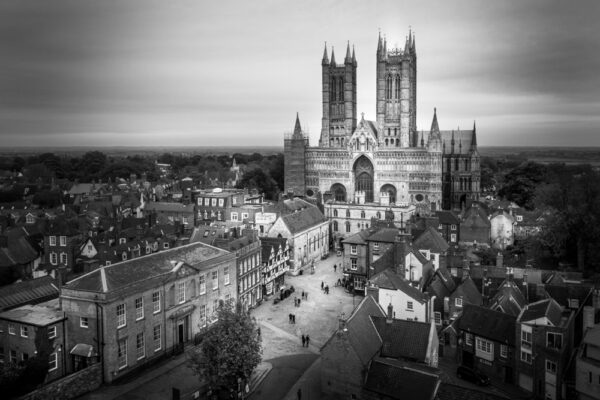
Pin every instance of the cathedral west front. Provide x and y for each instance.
(386, 162)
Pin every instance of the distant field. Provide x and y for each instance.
(546, 155)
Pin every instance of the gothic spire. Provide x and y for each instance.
(435, 128)
(474, 139)
(297, 127)
(348, 58)
(406, 45)
(379, 45)
(325, 57)
(384, 46)
(332, 56)
(413, 44)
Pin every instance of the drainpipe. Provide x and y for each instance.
(64, 335)
(100, 334)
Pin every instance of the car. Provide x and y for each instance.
(469, 374)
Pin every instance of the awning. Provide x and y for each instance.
(83, 350)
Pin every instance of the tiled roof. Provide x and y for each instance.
(494, 325)
(268, 244)
(360, 329)
(303, 219)
(169, 207)
(384, 262)
(28, 292)
(403, 339)
(469, 292)
(548, 308)
(395, 380)
(448, 391)
(19, 250)
(387, 279)
(387, 235)
(121, 275)
(461, 137)
(442, 285)
(509, 297)
(431, 240)
(447, 217)
(357, 238)
(475, 217)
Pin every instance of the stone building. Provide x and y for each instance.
(362, 161)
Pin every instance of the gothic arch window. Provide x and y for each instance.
(388, 87)
(449, 164)
(456, 164)
(386, 142)
(391, 190)
(362, 214)
(363, 172)
(395, 131)
(397, 85)
(335, 226)
(347, 213)
(339, 192)
(347, 226)
(466, 165)
(335, 213)
(378, 215)
(397, 142)
(333, 89)
(340, 89)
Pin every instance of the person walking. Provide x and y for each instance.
(303, 340)
(293, 318)
(306, 296)
(322, 285)
(299, 302)
(307, 339)
(334, 267)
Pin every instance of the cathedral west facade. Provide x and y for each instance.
(385, 162)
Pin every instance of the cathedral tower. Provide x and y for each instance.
(339, 99)
(397, 94)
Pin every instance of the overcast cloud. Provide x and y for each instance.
(152, 72)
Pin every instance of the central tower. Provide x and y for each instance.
(339, 99)
(397, 94)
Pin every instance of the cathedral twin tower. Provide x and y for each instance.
(387, 160)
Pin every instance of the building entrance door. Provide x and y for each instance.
(182, 334)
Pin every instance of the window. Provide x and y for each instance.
(376, 246)
(122, 353)
(526, 356)
(203, 315)
(63, 240)
(139, 308)
(347, 226)
(213, 202)
(13, 356)
(551, 367)
(335, 212)
(503, 351)
(226, 275)
(11, 329)
(468, 339)
(234, 216)
(156, 336)
(353, 249)
(202, 283)
(108, 263)
(362, 214)
(206, 201)
(52, 240)
(148, 249)
(121, 317)
(221, 202)
(84, 322)
(440, 227)
(458, 302)
(484, 348)
(353, 264)
(29, 219)
(140, 347)
(335, 226)
(215, 308)
(24, 331)
(437, 316)
(554, 340)
(453, 237)
(519, 218)
(124, 256)
(63, 258)
(452, 227)
(53, 258)
(215, 280)
(122, 240)
(52, 332)
(409, 305)
(347, 213)
(166, 245)
(526, 336)
(155, 302)
(24, 357)
(52, 362)
(181, 292)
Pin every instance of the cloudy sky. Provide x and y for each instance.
(155, 72)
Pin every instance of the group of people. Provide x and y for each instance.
(292, 318)
(305, 340)
(324, 288)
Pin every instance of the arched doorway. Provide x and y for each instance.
(339, 192)
(391, 190)
(363, 173)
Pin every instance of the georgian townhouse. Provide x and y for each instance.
(307, 231)
(449, 226)
(275, 263)
(487, 342)
(166, 213)
(475, 226)
(544, 337)
(61, 243)
(218, 204)
(149, 307)
(19, 329)
(355, 264)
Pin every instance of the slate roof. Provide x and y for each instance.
(447, 217)
(441, 285)
(28, 292)
(37, 315)
(509, 297)
(62, 226)
(361, 332)
(548, 308)
(403, 339)
(19, 250)
(475, 217)
(358, 238)
(463, 137)
(490, 324)
(387, 279)
(387, 235)
(384, 262)
(395, 380)
(303, 219)
(268, 244)
(469, 292)
(431, 240)
(448, 391)
(123, 274)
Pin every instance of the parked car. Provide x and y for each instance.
(469, 374)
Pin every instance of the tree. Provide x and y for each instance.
(230, 350)
(92, 163)
(520, 184)
(256, 178)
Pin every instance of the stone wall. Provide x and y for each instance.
(70, 386)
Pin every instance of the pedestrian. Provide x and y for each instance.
(290, 318)
(306, 296)
(339, 282)
(307, 340)
(322, 285)
(302, 295)
(299, 302)
(293, 318)
(303, 340)
(258, 331)
(327, 289)
(299, 393)
(334, 267)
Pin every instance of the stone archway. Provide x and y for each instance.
(339, 192)
(363, 175)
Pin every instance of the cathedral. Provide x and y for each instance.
(388, 161)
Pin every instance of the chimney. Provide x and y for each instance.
(390, 313)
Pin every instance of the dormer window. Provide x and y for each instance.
(353, 249)
(29, 219)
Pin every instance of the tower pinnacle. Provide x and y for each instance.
(325, 57)
(332, 56)
(297, 127)
(348, 58)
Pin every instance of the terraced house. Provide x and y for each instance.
(143, 309)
